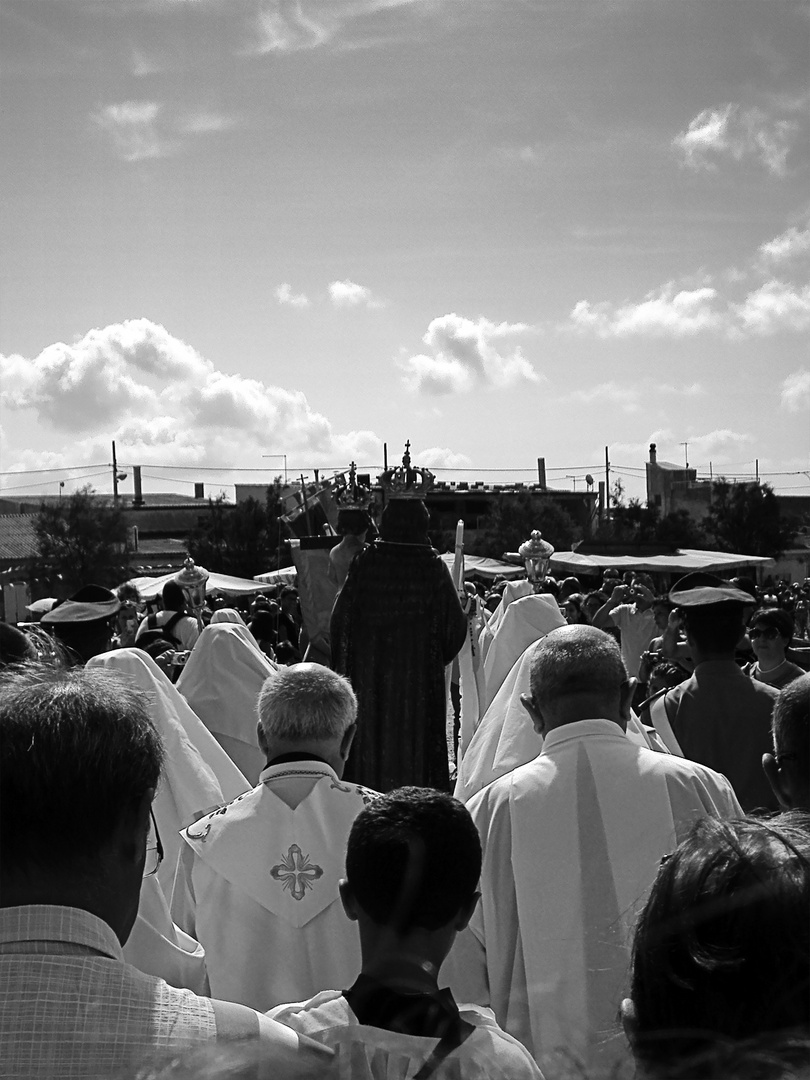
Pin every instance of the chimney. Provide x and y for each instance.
(653, 456)
(199, 491)
(541, 471)
(137, 499)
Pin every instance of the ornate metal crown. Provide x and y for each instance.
(406, 481)
(348, 494)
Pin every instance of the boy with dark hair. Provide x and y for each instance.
(412, 867)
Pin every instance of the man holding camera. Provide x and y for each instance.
(630, 610)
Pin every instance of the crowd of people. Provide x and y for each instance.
(220, 859)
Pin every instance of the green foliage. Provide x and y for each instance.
(745, 518)
(242, 540)
(512, 519)
(81, 540)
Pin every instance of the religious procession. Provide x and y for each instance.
(401, 820)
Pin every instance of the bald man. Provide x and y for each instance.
(572, 842)
(258, 884)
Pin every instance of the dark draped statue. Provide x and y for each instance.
(396, 623)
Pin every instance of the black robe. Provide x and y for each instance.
(396, 623)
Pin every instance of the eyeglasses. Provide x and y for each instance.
(154, 849)
(767, 632)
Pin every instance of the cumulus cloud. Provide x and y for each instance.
(350, 294)
(142, 130)
(162, 401)
(734, 132)
(465, 354)
(796, 391)
(285, 295)
(791, 244)
(667, 311)
(772, 307)
(441, 457)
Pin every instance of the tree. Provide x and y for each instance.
(243, 540)
(512, 519)
(81, 540)
(745, 518)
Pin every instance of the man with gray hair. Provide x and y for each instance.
(258, 883)
(572, 842)
(788, 767)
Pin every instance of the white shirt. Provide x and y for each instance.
(71, 1009)
(637, 628)
(572, 842)
(185, 629)
(259, 887)
(488, 1054)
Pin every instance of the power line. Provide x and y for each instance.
(45, 483)
(62, 468)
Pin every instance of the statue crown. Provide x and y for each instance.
(349, 494)
(406, 481)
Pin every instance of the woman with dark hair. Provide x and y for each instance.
(573, 610)
(721, 959)
(771, 631)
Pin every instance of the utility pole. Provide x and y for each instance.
(115, 476)
(285, 463)
(685, 446)
(607, 479)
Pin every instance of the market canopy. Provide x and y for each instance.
(682, 561)
(479, 566)
(151, 587)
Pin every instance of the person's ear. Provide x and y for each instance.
(529, 704)
(347, 899)
(347, 740)
(262, 740)
(777, 781)
(626, 693)
(627, 1010)
(465, 913)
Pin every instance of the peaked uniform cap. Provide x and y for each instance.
(90, 603)
(701, 589)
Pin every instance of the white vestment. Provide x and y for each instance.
(370, 1053)
(524, 621)
(259, 887)
(572, 842)
(513, 590)
(506, 738)
(227, 614)
(221, 681)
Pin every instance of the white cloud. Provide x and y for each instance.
(350, 294)
(796, 391)
(627, 397)
(143, 130)
(665, 312)
(285, 295)
(773, 307)
(440, 457)
(162, 401)
(715, 446)
(732, 131)
(789, 245)
(465, 354)
(134, 130)
(285, 26)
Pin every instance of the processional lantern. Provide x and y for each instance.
(536, 554)
(192, 579)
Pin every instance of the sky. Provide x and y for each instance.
(240, 235)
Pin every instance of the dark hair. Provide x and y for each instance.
(670, 673)
(352, 522)
(263, 625)
(568, 586)
(405, 521)
(15, 646)
(173, 597)
(413, 859)
(84, 639)
(791, 722)
(722, 947)
(715, 627)
(550, 587)
(576, 601)
(774, 617)
(79, 750)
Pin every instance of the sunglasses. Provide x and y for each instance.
(767, 632)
